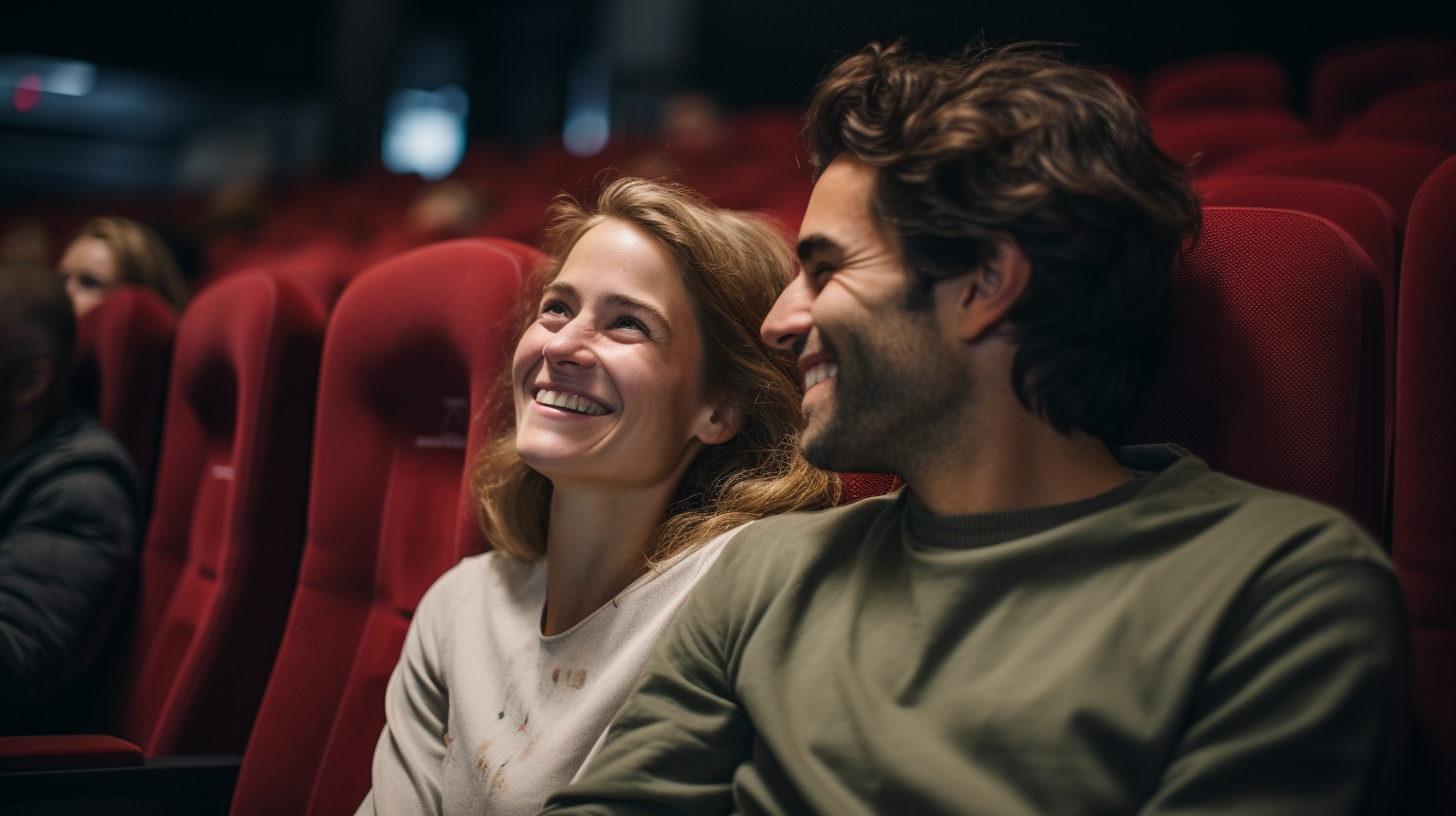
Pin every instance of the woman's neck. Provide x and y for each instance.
(595, 547)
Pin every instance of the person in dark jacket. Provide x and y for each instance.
(70, 510)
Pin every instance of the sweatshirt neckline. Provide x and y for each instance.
(974, 530)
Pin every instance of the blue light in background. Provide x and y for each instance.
(424, 131)
(588, 124)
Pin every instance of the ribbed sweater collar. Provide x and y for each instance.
(986, 529)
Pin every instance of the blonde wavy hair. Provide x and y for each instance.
(140, 254)
(733, 266)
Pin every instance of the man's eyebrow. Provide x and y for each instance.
(817, 244)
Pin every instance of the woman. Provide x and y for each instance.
(650, 422)
(111, 251)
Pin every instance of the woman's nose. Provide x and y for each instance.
(789, 319)
(570, 345)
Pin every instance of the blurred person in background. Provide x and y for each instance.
(70, 511)
(650, 424)
(109, 251)
(26, 240)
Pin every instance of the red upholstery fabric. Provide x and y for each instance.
(65, 751)
(1216, 81)
(1346, 80)
(1274, 374)
(1201, 140)
(413, 350)
(123, 348)
(1436, 126)
(221, 552)
(865, 485)
(1391, 169)
(1423, 525)
(1362, 214)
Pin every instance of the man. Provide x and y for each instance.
(1037, 623)
(69, 510)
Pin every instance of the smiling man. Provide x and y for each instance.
(1038, 623)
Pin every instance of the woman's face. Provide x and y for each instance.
(606, 380)
(89, 270)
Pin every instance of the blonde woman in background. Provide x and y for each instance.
(650, 423)
(110, 251)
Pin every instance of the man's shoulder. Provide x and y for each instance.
(1245, 521)
(75, 443)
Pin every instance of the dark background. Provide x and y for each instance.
(344, 56)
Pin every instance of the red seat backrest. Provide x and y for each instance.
(1346, 80)
(1359, 212)
(1391, 169)
(1423, 527)
(413, 352)
(1432, 125)
(1202, 140)
(1216, 81)
(221, 551)
(1274, 373)
(123, 348)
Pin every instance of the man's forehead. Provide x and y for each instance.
(839, 216)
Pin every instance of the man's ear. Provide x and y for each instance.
(982, 299)
(34, 379)
(721, 424)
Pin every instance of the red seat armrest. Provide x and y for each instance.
(66, 751)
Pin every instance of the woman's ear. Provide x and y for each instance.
(721, 424)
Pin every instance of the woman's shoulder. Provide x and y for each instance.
(478, 577)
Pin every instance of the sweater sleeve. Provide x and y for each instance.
(410, 755)
(65, 564)
(1303, 707)
(676, 743)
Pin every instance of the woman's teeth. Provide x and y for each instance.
(569, 402)
(819, 373)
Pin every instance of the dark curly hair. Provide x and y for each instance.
(1014, 140)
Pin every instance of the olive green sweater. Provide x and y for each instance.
(1187, 643)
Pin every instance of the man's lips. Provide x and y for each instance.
(571, 402)
(818, 371)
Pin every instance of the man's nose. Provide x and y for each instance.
(789, 319)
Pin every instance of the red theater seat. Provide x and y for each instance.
(1274, 374)
(1345, 81)
(221, 551)
(123, 348)
(1425, 112)
(413, 351)
(1216, 82)
(1423, 527)
(1392, 169)
(1360, 213)
(1201, 140)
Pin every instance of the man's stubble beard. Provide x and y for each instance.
(890, 407)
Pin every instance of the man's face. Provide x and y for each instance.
(882, 380)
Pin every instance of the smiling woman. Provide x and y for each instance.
(649, 423)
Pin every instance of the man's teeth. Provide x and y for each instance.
(819, 374)
(569, 402)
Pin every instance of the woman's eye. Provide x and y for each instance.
(553, 308)
(88, 282)
(630, 324)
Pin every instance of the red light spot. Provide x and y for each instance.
(27, 92)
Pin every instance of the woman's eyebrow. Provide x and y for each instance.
(631, 302)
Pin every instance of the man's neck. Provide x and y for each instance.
(1011, 459)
